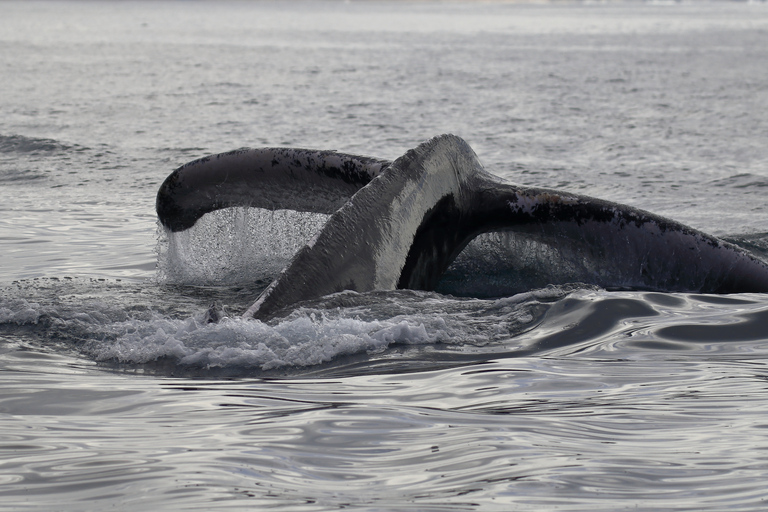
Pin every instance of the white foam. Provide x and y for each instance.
(299, 341)
(343, 324)
(19, 312)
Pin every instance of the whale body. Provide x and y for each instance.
(401, 224)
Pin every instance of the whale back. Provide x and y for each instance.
(272, 178)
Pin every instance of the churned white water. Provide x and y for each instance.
(117, 394)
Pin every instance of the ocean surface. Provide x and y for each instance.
(116, 395)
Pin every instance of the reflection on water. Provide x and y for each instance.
(613, 398)
(541, 431)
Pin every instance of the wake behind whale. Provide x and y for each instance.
(406, 224)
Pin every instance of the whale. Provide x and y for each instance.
(401, 224)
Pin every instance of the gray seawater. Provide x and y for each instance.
(114, 393)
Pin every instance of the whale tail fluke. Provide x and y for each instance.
(272, 178)
(401, 224)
